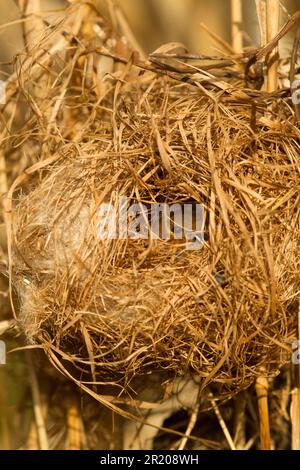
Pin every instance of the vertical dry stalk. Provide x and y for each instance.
(295, 87)
(3, 175)
(3, 192)
(74, 427)
(37, 405)
(236, 25)
(261, 387)
(32, 439)
(261, 9)
(273, 24)
(191, 425)
(295, 418)
(222, 423)
(33, 29)
(295, 400)
(4, 425)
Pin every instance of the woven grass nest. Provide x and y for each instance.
(170, 129)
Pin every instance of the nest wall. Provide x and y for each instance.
(112, 310)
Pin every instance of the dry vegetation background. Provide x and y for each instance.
(154, 22)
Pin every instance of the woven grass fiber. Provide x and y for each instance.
(100, 122)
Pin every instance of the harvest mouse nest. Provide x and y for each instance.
(110, 310)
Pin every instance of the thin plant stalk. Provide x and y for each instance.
(37, 405)
(261, 387)
(273, 24)
(295, 399)
(236, 25)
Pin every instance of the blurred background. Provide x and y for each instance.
(155, 22)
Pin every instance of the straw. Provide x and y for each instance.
(236, 25)
(261, 387)
(273, 25)
(295, 397)
(261, 10)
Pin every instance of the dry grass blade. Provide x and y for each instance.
(236, 25)
(226, 47)
(191, 425)
(273, 24)
(270, 46)
(222, 423)
(295, 399)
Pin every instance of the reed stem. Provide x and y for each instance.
(273, 25)
(261, 387)
(236, 25)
